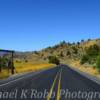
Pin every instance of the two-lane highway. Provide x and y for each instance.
(58, 83)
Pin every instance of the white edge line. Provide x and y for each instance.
(83, 74)
(23, 77)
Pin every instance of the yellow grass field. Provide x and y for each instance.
(28, 67)
(4, 74)
(25, 67)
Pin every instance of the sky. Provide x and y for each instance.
(28, 25)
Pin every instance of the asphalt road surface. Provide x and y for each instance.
(58, 83)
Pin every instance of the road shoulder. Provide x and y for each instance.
(90, 77)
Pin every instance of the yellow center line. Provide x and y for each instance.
(52, 87)
(59, 86)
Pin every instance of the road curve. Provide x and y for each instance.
(58, 83)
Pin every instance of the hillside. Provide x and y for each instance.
(73, 54)
(64, 51)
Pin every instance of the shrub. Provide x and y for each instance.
(61, 54)
(54, 60)
(3, 63)
(36, 52)
(75, 50)
(68, 53)
(93, 50)
(98, 63)
(91, 54)
(84, 59)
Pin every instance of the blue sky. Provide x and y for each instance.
(27, 25)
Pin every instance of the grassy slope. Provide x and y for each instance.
(85, 68)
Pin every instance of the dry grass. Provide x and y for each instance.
(85, 68)
(88, 44)
(4, 74)
(28, 67)
(25, 67)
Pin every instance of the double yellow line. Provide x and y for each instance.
(59, 86)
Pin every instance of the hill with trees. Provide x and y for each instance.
(84, 51)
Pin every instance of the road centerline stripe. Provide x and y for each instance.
(52, 87)
(59, 86)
